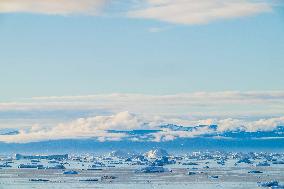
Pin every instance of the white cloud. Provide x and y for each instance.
(223, 125)
(202, 104)
(97, 127)
(258, 125)
(119, 121)
(225, 96)
(169, 135)
(198, 11)
(172, 11)
(81, 128)
(61, 7)
(230, 110)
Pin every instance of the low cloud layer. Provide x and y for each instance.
(173, 11)
(93, 127)
(91, 116)
(98, 127)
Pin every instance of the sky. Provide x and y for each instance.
(62, 60)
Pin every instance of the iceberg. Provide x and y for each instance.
(191, 173)
(214, 176)
(245, 160)
(71, 172)
(89, 180)
(57, 167)
(260, 164)
(269, 184)
(5, 165)
(49, 157)
(23, 166)
(152, 169)
(163, 161)
(255, 172)
(190, 163)
(278, 162)
(39, 180)
(157, 153)
(106, 177)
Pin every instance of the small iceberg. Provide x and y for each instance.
(71, 172)
(191, 173)
(214, 176)
(278, 162)
(89, 180)
(273, 183)
(222, 162)
(39, 180)
(190, 163)
(262, 164)
(57, 167)
(24, 166)
(5, 165)
(35, 161)
(98, 164)
(49, 157)
(107, 177)
(255, 172)
(163, 161)
(53, 161)
(94, 169)
(152, 169)
(245, 160)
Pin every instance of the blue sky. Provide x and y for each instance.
(172, 61)
(43, 55)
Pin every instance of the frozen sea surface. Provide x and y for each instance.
(230, 175)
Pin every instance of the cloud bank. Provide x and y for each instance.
(230, 110)
(173, 11)
(93, 127)
(98, 128)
